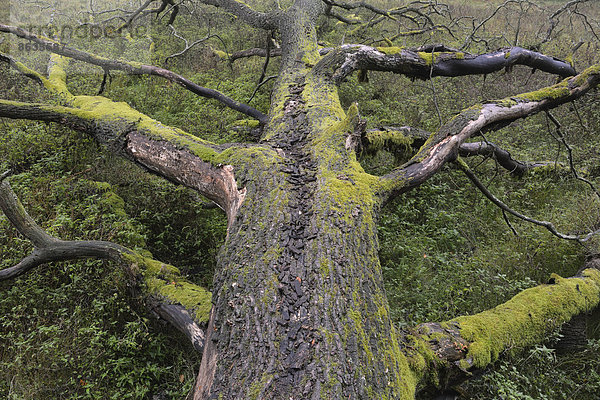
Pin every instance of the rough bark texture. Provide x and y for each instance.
(298, 309)
(308, 233)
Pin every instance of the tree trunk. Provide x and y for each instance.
(299, 305)
(300, 308)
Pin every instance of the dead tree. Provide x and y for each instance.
(298, 308)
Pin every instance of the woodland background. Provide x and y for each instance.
(72, 331)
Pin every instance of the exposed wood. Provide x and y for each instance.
(299, 306)
(443, 145)
(425, 65)
(174, 160)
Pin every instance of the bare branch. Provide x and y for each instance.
(23, 69)
(49, 249)
(188, 46)
(554, 18)
(135, 69)
(548, 225)
(563, 140)
(426, 64)
(136, 13)
(414, 137)
(263, 82)
(502, 156)
(443, 145)
(256, 52)
(472, 38)
(252, 17)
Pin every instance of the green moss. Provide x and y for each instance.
(165, 281)
(223, 55)
(506, 102)
(420, 356)
(507, 55)
(356, 325)
(569, 59)
(378, 139)
(57, 77)
(257, 386)
(325, 267)
(429, 58)
(115, 203)
(528, 317)
(98, 108)
(582, 78)
(249, 123)
(391, 50)
(549, 93)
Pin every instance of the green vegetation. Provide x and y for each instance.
(72, 331)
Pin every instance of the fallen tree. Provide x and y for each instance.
(298, 307)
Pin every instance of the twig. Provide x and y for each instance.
(548, 225)
(563, 140)
(509, 224)
(267, 79)
(5, 175)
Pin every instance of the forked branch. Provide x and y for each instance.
(443, 145)
(502, 157)
(184, 305)
(504, 207)
(393, 137)
(134, 69)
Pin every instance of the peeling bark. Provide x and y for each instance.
(299, 309)
(425, 65)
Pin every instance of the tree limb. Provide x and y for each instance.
(404, 136)
(24, 70)
(169, 152)
(255, 52)
(134, 69)
(548, 225)
(247, 14)
(136, 13)
(502, 156)
(181, 303)
(444, 144)
(427, 64)
(561, 138)
(456, 348)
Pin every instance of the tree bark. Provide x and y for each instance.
(299, 309)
